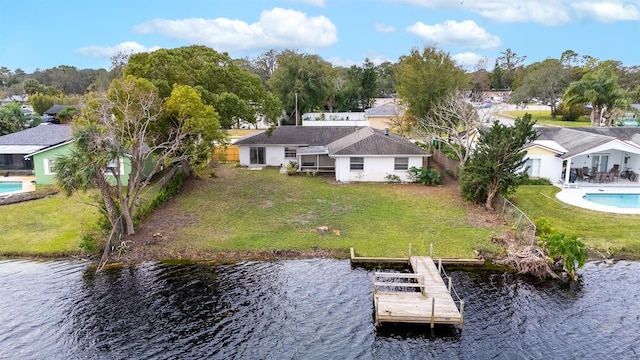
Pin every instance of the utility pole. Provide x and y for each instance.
(296, 109)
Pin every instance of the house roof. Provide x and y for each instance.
(44, 134)
(339, 140)
(386, 110)
(581, 139)
(369, 141)
(298, 135)
(56, 109)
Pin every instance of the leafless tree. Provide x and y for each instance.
(453, 123)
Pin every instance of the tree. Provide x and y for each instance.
(235, 93)
(12, 119)
(546, 81)
(601, 91)
(303, 82)
(358, 93)
(424, 78)
(132, 121)
(386, 78)
(509, 62)
(451, 123)
(497, 163)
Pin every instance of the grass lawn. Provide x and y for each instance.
(243, 210)
(51, 226)
(605, 232)
(543, 118)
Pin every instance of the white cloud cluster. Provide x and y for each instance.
(382, 28)
(546, 12)
(466, 35)
(319, 3)
(276, 29)
(467, 60)
(128, 47)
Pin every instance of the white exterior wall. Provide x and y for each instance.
(375, 169)
(335, 123)
(274, 155)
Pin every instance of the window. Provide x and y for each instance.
(533, 167)
(290, 152)
(357, 163)
(48, 166)
(256, 155)
(401, 163)
(115, 167)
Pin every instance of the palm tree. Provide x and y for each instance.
(600, 89)
(82, 168)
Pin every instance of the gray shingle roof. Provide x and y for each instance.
(43, 135)
(299, 136)
(56, 109)
(580, 139)
(340, 140)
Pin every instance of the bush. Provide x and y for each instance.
(163, 196)
(568, 248)
(539, 181)
(425, 176)
(292, 168)
(392, 178)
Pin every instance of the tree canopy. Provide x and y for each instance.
(13, 119)
(498, 162)
(426, 77)
(235, 93)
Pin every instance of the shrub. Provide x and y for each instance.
(539, 181)
(568, 248)
(425, 176)
(292, 168)
(392, 178)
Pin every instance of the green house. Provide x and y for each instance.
(44, 160)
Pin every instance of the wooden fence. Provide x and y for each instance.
(226, 153)
(451, 166)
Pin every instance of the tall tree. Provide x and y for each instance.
(12, 119)
(235, 93)
(451, 122)
(496, 165)
(424, 78)
(510, 62)
(386, 77)
(546, 81)
(132, 121)
(303, 82)
(601, 91)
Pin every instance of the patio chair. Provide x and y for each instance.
(585, 174)
(598, 177)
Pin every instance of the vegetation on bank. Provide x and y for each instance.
(543, 118)
(605, 234)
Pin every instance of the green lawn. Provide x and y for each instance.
(51, 226)
(244, 210)
(604, 232)
(543, 118)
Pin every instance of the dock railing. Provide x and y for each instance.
(452, 290)
(378, 276)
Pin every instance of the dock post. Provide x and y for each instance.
(449, 286)
(409, 249)
(461, 313)
(440, 265)
(431, 249)
(433, 306)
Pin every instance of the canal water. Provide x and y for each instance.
(304, 309)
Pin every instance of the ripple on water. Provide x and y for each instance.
(303, 309)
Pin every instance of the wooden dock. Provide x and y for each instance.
(433, 304)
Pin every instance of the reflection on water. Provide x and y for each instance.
(303, 309)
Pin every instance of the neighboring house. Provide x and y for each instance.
(353, 153)
(597, 148)
(388, 115)
(15, 148)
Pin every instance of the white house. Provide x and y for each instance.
(352, 153)
(599, 149)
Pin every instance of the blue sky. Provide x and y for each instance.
(85, 34)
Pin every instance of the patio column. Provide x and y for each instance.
(567, 172)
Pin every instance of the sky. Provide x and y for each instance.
(40, 34)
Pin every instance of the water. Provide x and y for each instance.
(304, 309)
(7, 187)
(626, 201)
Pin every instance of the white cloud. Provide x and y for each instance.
(319, 3)
(339, 62)
(276, 29)
(607, 12)
(467, 60)
(466, 34)
(382, 28)
(128, 47)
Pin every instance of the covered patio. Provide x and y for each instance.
(315, 158)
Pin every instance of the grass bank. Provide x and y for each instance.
(51, 226)
(604, 233)
(543, 118)
(242, 210)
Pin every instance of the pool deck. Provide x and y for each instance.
(28, 184)
(574, 195)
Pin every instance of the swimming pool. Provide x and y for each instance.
(7, 187)
(625, 201)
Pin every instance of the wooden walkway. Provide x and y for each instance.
(433, 304)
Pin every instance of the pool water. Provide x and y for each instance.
(626, 201)
(10, 186)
